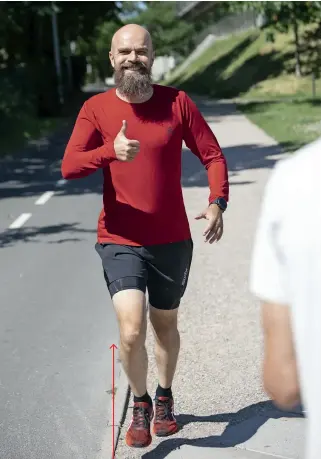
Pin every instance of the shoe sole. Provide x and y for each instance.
(165, 434)
(140, 445)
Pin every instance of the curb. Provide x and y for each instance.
(121, 403)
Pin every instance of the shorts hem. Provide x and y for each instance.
(127, 283)
(113, 293)
(174, 306)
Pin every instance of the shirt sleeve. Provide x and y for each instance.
(268, 267)
(200, 139)
(85, 152)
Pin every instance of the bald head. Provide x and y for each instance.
(131, 33)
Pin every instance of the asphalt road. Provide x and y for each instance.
(56, 322)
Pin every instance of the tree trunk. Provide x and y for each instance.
(298, 70)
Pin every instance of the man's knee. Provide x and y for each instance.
(132, 336)
(131, 313)
(164, 321)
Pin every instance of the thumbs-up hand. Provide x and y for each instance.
(125, 149)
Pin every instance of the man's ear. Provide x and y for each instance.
(111, 58)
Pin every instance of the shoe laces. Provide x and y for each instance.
(164, 410)
(141, 416)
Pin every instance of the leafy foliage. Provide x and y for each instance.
(170, 34)
(284, 16)
(27, 47)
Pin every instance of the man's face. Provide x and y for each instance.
(132, 58)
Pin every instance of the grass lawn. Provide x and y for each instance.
(259, 76)
(292, 124)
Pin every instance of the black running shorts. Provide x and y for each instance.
(162, 270)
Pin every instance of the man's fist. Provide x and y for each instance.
(125, 149)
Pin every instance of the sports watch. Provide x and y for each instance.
(221, 203)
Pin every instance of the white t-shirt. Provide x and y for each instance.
(286, 268)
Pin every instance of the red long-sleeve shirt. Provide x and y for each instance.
(142, 199)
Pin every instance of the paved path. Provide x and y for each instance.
(220, 403)
(56, 322)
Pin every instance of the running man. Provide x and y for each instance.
(134, 132)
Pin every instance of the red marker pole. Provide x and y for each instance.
(113, 347)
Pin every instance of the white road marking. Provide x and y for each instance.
(61, 182)
(44, 198)
(20, 221)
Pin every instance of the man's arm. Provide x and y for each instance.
(268, 282)
(202, 142)
(279, 368)
(85, 151)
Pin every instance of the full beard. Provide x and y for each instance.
(135, 83)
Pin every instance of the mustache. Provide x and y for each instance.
(138, 66)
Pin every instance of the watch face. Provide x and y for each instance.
(221, 203)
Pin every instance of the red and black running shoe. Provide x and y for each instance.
(165, 423)
(138, 434)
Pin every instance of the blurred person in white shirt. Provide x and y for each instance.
(286, 277)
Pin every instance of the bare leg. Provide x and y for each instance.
(130, 306)
(167, 343)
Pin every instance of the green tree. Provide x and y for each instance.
(97, 48)
(285, 16)
(170, 34)
(27, 44)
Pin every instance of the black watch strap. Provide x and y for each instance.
(221, 203)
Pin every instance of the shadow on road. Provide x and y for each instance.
(35, 234)
(32, 175)
(242, 426)
(239, 158)
(36, 168)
